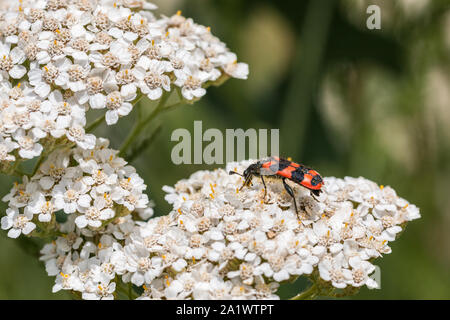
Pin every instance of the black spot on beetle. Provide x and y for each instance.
(283, 164)
(316, 180)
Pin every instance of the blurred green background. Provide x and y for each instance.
(348, 101)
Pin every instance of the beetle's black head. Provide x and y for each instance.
(253, 169)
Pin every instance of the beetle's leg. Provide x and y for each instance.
(291, 193)
(247, 181)
(315, 193)
(265, 188)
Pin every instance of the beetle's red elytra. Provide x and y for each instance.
(283, 169)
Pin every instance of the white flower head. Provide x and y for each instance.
(260, 234)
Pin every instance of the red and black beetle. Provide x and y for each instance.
(283, 169)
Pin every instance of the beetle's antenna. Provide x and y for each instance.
(234, 172)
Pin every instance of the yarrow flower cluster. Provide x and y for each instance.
(61, 58)
(246, 246)
(95, 186)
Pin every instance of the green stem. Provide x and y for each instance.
(142, 146)
(20, 173)
(47, 230)
(16, 171)
(95, 123)
(172, 106)
(38, 164)
(142, 124)
(308, 294)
